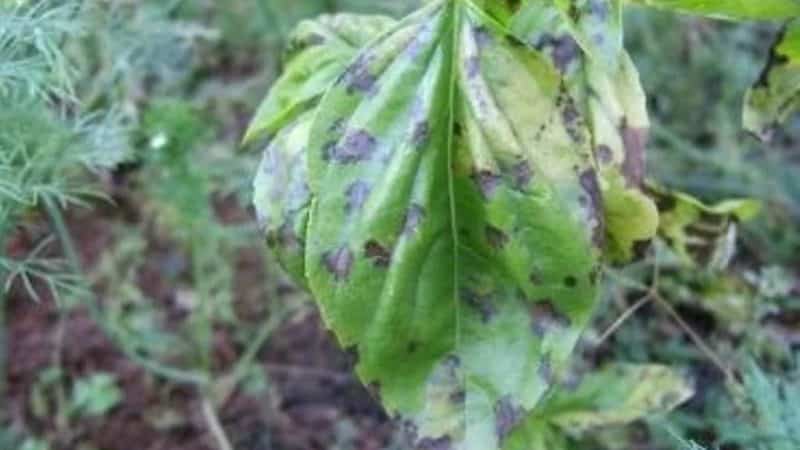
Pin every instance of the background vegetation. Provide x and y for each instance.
(139, 310)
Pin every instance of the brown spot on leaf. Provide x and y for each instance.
(521, 176)
(378, 254)
(441, 443)
(421, 134)
(357, 194)
(358, 78)
(482, 303)
(458, 397)
(604, 154)
(357, 146)
(473, 66)
(563, 50)
(545, 318)
(635, 141)
(496, 237)
(507, 417)
(487, 182)
(339, 263)
(591, 186)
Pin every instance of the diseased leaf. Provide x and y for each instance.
(701, 235)
(319, 51)
(282, 198)
(465, 273)
(597, 27)
(608, 93)
(616, 395)
(731, 9)
(776, 95)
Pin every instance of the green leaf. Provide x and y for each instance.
(700, 234)
(616, 395)
(319, 51)
(776, 95)
(95, 395)
(730, 9)
(453, 236)
(608, 92)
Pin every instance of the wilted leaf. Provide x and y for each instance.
(776, 95)
(702, 235)
(731, 9)
(464, 271)
(616, 395)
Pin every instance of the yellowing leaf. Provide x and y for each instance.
(700, 234)
(617, 395)
(776, 95)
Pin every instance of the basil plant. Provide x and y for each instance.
(449, 186)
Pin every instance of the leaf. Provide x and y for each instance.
(319, 52)
(776, 95)
(701, 235)
(607, 91)
(730, 9)
(465, 273)
(616, 395)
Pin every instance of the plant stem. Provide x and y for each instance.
(214, 425)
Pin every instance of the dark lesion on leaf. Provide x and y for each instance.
(521, 175)
(496, 237)
(563, 50)
(421, 134)
(440, 443)
(545, 318)
(473, 66)
(487, 182)
(356, 146)
(482, 303)
(482, 36)
(357, 194)
(339, 263)
(358, 78)
(604, 154)
(570, 281)
(458, 397)
(571, 117)
(507, 416)
(634, 140)
(380, 255)
(591, 186)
